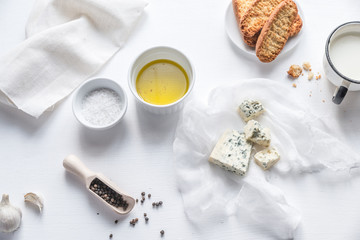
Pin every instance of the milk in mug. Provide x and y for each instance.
(345, 54)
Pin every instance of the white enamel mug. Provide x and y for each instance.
(333, 70)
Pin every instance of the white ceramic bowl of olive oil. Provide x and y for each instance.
(161, 78)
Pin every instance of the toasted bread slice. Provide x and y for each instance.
(251, 41)
(256, 16)
(296, 26)
(240, 8)
(295, 29)
(276, 31)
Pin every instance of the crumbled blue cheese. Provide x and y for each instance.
(255, 133)
(267, 158)
(232, 152)
(250, 109)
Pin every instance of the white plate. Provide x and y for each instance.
(234, 34)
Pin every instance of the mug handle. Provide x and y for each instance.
(340, 92)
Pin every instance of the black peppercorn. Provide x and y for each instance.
(108, 194)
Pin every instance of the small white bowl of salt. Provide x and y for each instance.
(99, 103)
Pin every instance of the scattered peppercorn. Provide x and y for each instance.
(157, 204)
(111, 235)
(133, 221)
(97, 213)
(137, 200)
(116, 221)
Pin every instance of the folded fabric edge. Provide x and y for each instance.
(5, 100)
(39, 110)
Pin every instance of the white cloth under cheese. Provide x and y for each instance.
(266, 158)
(232, 152)
(256, 133)
(301, 137)
(67, 42)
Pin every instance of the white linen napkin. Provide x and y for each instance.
(67, 41)
(210, 192)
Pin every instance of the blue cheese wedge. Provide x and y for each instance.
(267, 158)
(232, 152)
(255, 133)
(250, 109)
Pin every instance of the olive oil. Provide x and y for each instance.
(162, 82)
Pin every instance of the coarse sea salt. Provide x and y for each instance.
(101, 106)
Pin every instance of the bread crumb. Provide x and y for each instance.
(323, 100)
(310, 76)
(318, 77)
(294, 85)
(306, 66)
(294, 71)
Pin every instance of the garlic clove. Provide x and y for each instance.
(10, 216)
(34, 199)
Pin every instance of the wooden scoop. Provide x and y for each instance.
(74, 165)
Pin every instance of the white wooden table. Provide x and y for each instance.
(137, 153)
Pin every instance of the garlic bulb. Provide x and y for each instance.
(34, 199)
(10, 216)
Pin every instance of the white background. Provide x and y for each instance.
(137, 153)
